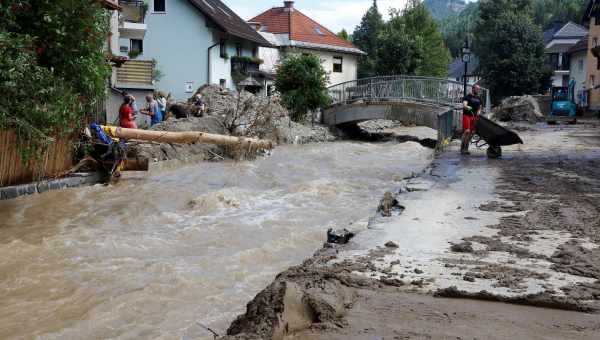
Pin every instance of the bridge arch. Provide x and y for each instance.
(423, 101)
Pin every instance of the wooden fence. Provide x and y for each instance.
(56, 160)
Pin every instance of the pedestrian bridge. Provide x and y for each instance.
(412, 100)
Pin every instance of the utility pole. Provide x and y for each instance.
(466, 58)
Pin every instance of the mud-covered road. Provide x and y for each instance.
(487, 249)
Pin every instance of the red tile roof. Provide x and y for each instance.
(282, 20)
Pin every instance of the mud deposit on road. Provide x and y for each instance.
(556, 194)
(522, 231)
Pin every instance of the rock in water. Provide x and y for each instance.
(341, 236)
(391, 244)
(388, 205)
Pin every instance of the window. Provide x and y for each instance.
(160, 6)
(592, 81)
(222, 49)
(255, 52)
(337, 64)
(580, 64)
(238, 50)
(136, 46)
(595, 42)
(318, 30)
(223, 83)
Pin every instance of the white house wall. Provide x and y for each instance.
(220, 68)
(270, 57)
(349, 65)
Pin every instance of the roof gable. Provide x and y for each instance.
(301, 28)
(228, 20)
(571, 30)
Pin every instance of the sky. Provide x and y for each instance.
(333, 14)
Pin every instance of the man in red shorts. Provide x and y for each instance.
(471, 109)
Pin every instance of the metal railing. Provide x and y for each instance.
(133, 11)
(434, 91)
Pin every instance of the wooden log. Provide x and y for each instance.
(187, 138)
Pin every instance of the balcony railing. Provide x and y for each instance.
(136, 72)
(245, 65)
(133, 11)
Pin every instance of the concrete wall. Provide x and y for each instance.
(579, 72)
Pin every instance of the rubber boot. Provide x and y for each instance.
(464, 146)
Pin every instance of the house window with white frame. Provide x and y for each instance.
(338, 64)
(160, 6)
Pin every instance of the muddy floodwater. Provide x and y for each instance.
(158, 253)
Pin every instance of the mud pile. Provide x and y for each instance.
(519, 109)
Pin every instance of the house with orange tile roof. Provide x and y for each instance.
(290, 31)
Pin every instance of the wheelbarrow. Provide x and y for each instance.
(495, 136)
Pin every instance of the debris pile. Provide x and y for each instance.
(258, 116)
(516, 109)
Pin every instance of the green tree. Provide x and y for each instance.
(547, 12)
(510, 48)
(343, 34)
(411, 43)
(302, 82)
(365, 38)
(457, 27)
(53, 67)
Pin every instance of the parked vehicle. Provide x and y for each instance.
(563, 104)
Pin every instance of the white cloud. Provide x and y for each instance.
(333, 14)
(338, 14)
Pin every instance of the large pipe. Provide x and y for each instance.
(187, 137)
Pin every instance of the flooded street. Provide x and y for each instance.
(155, 254)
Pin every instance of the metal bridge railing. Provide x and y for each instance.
(434, 91)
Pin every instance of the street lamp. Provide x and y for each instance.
(466, 58)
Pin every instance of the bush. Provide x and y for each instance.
(52, 64)
(302, 82)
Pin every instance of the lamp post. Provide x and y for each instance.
(466, 58)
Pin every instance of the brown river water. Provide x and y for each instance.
(158, 253)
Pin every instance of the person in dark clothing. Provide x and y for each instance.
(471, 110)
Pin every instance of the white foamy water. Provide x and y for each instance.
(153, 255)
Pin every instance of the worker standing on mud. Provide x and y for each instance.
(471, 110)
(126, 114)
(153, 110)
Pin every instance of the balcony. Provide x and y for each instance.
(558, 63)
(245, 65)
(135, 74)
(131, 22)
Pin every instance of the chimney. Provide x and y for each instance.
(289, 6)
